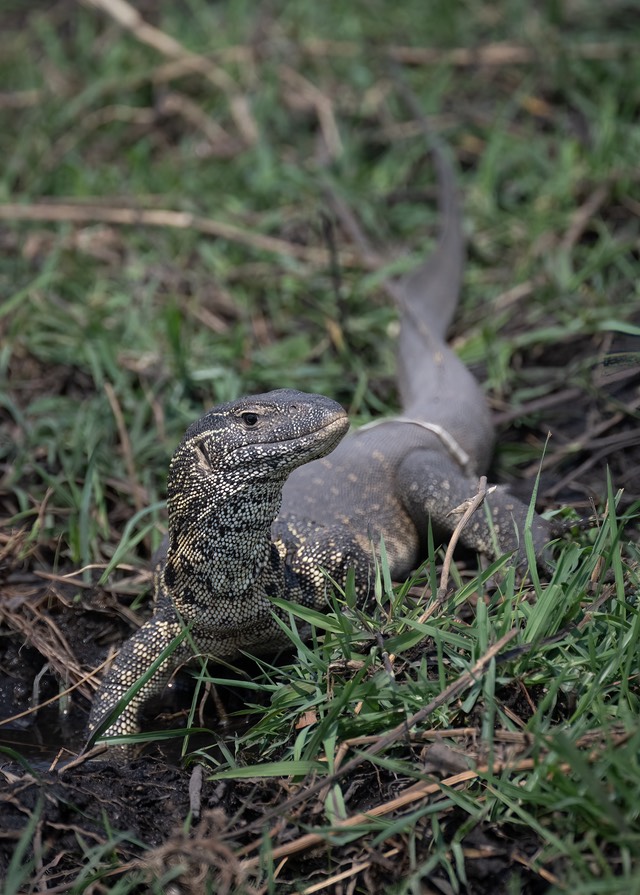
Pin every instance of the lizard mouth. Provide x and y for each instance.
(336, 428)
(304, 447)
(340, 423)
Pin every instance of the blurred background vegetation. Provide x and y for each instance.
(115, 336)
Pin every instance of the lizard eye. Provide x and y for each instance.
(249, 419)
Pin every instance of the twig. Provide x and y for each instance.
(472, 505)
(412, 794)
(179, 220)
(322, 105)
(491, 54)
(516, 293)
(566, 396)
(20, 99)
(353, 870)
(625, 440)
(82, 759)
(60, 695)
(581, 217)
(588, 440)
(131, 20)
(353, 229)
(221, 143)
(465, 680)
(140, 498)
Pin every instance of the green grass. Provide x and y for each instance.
(114, 338)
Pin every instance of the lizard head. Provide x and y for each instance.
(264, 437)
(225, 486)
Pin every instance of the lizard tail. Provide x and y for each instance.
(435, 386)
(428, 296)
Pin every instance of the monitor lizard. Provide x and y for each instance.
(257, 510)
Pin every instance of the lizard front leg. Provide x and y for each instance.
(433, 487)
(134, 659)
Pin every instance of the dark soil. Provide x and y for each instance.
(147, 800)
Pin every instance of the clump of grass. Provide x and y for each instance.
(543, 744)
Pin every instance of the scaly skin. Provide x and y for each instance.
(221, 567)
(230, 546)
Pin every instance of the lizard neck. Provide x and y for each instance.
(219, 530)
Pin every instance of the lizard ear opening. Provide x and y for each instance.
(201, 457)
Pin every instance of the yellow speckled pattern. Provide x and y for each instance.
(222, 568)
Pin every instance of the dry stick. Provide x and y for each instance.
(465, 680)
(20, 99)
(472, 505)
(131, 20)
(82, 758)
(628, 439)
(573, 447)
(58, 696)
(515, 294)
(47, 638)
(322, 105)
(351, 226)
(566, 396)
(493, 54)
(518, 738)
(73, 577)
(137, 491)
(344, 874)
(91, 122)
(413, 794)
(581, 218)
(221, 142)
(179, 220)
